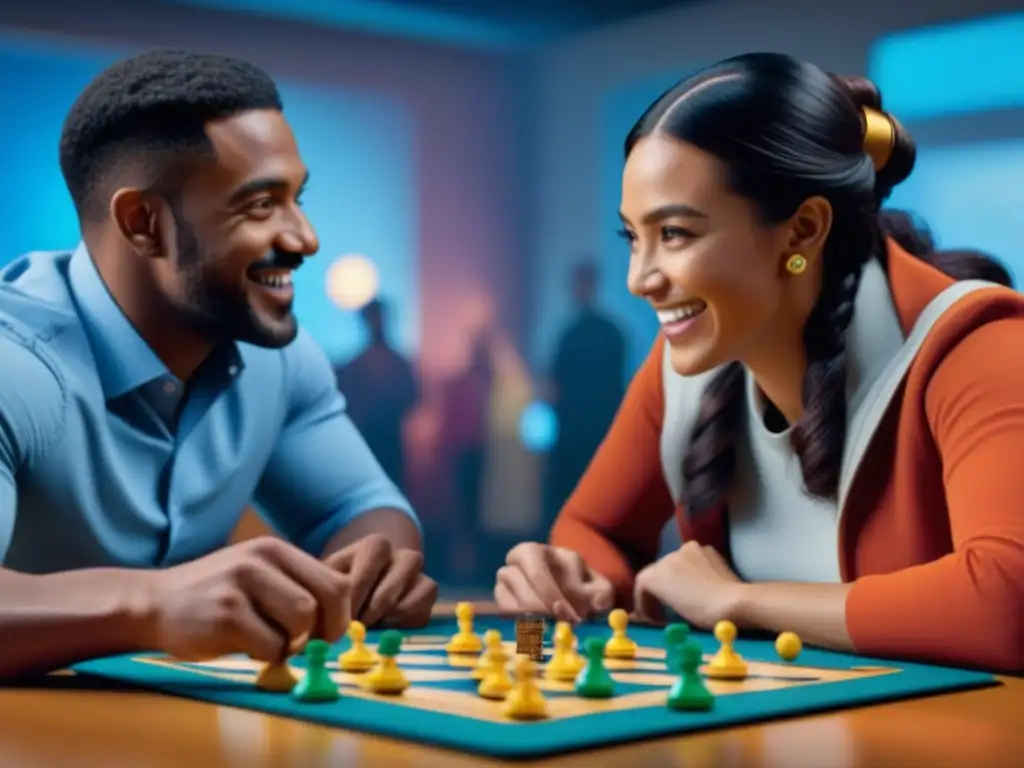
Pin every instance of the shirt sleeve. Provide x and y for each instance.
(615, 516)
(31, 418)
(322, 475)
(967, 608)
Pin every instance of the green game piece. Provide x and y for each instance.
(675, 635)
(390, 643)
(688, 693)
(594, 681)
(316, 685)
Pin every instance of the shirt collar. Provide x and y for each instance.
(123, 360)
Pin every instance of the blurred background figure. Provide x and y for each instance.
(464, 441)
(381, 391)
(587, 383)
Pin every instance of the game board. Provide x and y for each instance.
(442, 707)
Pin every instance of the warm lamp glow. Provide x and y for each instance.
(352, 282)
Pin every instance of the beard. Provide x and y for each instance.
(223, 310)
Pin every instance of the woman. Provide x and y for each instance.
(835, 423)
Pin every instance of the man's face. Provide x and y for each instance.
(239, 232)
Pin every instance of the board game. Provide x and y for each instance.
(441, 707)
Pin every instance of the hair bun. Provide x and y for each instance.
(888, 143)
(879, 136)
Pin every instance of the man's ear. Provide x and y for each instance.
(138, 219)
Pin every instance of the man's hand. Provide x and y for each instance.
(388, 583)
(263, 598)
(539, 578)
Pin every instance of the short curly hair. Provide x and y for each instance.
(152, 109)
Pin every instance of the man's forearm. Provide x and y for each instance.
(48, 622)
(393, 524)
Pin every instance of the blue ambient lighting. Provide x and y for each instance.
(952, 69)
(389, 18)
(538, 427)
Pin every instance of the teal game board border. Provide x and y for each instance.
(544, 738)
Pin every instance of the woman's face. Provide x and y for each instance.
(699, 253)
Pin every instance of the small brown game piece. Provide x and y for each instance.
(530, 637)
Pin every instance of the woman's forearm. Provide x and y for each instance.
(815, 612)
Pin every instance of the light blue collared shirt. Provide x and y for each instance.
(107, 460)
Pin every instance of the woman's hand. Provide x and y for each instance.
(538, 578)
(694, 581)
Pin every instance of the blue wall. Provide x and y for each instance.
(952, 69)
(969, 191)
(38, 83)
(360, 148)
(412, 21)
(971, 196)
(362, 198)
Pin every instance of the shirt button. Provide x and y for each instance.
(170, 387)
(233, 370)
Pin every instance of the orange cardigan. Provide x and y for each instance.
(932, 538)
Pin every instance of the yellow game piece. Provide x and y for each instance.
(493, 652)
(386, 677)
(619, 646)
(496, 682)
(358, 658)
(566, 663)
(726, 664)
(276, 678)
(525, 700)
(788, 646)
(465, 640)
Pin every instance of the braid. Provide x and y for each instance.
(711, 459)
(819, 435)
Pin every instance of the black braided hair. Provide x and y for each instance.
(787, 131)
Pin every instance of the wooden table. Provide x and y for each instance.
(72, 727)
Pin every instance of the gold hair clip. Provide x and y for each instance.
(879, 137)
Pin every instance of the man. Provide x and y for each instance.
(155, 382)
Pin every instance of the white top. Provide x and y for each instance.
(776, 531)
